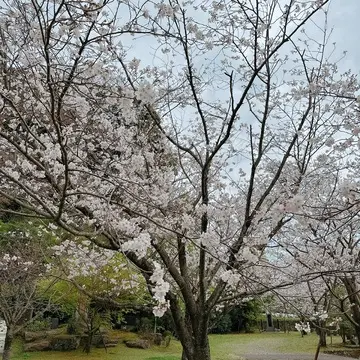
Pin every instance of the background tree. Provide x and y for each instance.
(99, 283)
(331, 247)
(22, 265)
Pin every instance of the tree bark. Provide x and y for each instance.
(322, 337)
(200, 349)
(192, 331)
(321, 331)
(183, 355)
(317, 350)
(352, 291)
(9, 337)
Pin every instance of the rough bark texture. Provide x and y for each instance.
(199, 350)
(192, 331)
(352, 291)
(196, 348)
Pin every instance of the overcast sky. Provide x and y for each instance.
(344, 18)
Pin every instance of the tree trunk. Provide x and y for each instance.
(192, 331)
(200, 350)
(322, 337)
(183, 355)
(88, 343)
(357, 332)
(321, 331)
(317, 350)
(352, 290)
(9, 337)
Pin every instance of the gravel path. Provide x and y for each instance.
(263, 350)
(264, 356)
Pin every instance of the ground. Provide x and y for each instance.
(264, 346)
(269, 346)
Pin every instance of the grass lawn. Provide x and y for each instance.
(223, 347)
(232, 346)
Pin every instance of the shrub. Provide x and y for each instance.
(38, 325)
(223, 325)
(145, 325)
(167, 337)
(73, 327)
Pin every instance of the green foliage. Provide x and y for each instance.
(145, 325)
(73, 326)
(38, 325)
(241, 317)
(64, 297)
(165, 323)
(34, 231)
(346, 328)
(224, 325)
(167, 337)
(24, 247)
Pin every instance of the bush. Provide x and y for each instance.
(167, 337)
(224, 325)
(38, 325)
(145, 325)
(64, 342)
(73, 327)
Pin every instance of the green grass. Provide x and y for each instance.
(164, 358)
(155, 353)
(235, 345)
(223, 347)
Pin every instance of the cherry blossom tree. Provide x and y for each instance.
(323, 235)
(331, 247)
(188, 156)
(22, 266)
(313, 302)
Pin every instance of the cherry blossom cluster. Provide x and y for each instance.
(160, 289)
(8, 261)
(303, 327)
(81, 260)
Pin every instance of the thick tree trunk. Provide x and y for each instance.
(202, 353)
(8, 344)
(183, 355)
(199, 346)
(192, 331)
(200, 350)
